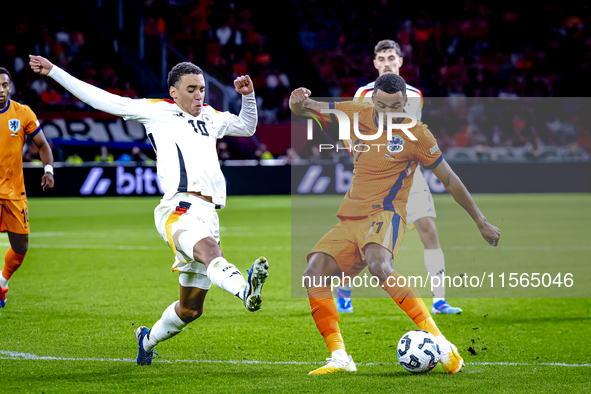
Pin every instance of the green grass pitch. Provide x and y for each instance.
(97, 269)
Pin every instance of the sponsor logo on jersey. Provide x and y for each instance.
(180, 115)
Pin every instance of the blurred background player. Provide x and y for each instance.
(420, 210)
(184, 131)
(376, 205)
(17, 121)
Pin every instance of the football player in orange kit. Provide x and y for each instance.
(373, 215)
(17, 121)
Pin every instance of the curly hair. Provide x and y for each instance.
(390, 83)
(180, 70)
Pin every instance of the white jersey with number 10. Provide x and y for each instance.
(185, 145)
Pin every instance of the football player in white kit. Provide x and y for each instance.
(184, 132)
(420, 209)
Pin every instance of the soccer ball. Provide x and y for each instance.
(418, 351)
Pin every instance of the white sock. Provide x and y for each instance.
(226, 276)
(346, 287)
(3, 281)
(168, 326)
(444, 345)
(435, 264)
(340, 355)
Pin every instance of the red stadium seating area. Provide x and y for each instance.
(453, 49)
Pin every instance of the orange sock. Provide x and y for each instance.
(11, 263)
(429, 326)
(324, 312)
(407, 298)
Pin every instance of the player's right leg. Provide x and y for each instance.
(420, 213)
(326, 317)
(228, 277)
(434, 258)
(193, 289)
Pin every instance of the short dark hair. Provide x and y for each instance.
(180, 70)
(388, 44)
(390, 83)
(5, 71)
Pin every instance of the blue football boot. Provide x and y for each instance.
(442, 307)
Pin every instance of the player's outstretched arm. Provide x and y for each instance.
(91, 95)
(300, 99)
(46, 158)
(456, 188)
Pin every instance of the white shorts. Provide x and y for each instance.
(183, 221)
(420, 202)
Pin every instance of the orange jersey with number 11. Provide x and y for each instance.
(383, 169)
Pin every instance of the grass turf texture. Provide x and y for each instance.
(97, 269)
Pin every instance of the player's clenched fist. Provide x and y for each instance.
(243, 85)
(40, 65)
(297, 99)
(490, 233)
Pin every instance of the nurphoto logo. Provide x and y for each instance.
(393, 121)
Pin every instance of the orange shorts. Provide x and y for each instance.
(346, 242)
(14, 216)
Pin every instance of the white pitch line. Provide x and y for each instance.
(139, 247)
(10, 355)
(524, 248)
(102, 247)
(534, 364)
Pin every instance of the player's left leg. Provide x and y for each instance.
(13, 259)
(435, 264)
(227, 276)
(380, 264)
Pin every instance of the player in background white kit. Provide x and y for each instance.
(184, 132)
(420, 209)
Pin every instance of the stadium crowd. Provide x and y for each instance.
(464, 49)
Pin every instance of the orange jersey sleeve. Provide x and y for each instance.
(426, 151)
(30, 122)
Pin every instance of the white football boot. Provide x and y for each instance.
(336, 365)
(450, 358)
